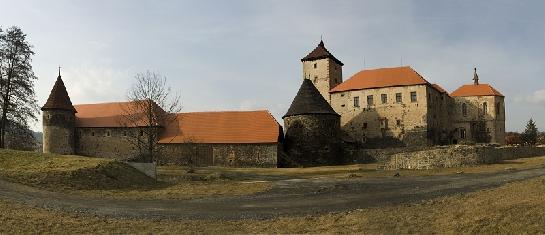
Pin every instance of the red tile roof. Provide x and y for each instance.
(439, 88)
(115, 114)
(223, 127)
(58, 98)
(476, 90)
(199, 127)
(379, 78)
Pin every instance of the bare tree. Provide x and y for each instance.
(18, 101)
(152, 106)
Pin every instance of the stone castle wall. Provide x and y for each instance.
(114, 143)
(406, 121)
(458, 156)
(227, 155)
(312, 140)
(324, 74)
(493, 116)
(58, 134)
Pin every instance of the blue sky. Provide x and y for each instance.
(243, 55)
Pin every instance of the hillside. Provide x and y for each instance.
(68, 172)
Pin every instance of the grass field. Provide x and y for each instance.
(97, 177)
(515, 208)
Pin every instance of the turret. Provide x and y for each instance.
(323, 69)
(312, 130)
(58, 121)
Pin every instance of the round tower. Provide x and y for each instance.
(58, 121)
(312, 130)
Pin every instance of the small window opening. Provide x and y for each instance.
(356, 101)
(413, 96)
(365, 125)
(93, 133)
(315, 65)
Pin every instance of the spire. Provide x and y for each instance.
(59, 71)
(475, 77)
(320, 52)
(59, 99)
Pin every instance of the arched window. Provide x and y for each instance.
(464, 110)
(485, 108)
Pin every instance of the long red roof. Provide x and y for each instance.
(379, 78)
(227, 127)
(222, 127)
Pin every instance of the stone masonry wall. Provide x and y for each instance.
(58, 131)
(380, 119)
(114, 143)
(228, 155)
(458, 156)
(324, 74)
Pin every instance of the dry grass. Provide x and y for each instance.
(98, 177)
(514, 208)
(344, 171)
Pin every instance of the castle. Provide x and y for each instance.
(386, 107)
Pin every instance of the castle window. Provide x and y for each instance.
(384, 98)
(356, 101)
(464, 110)
(124, 133)
(92, 133)
(384, 123)
(342, 105)
(413, 96)
(370, 101)
(399, 99)
(315, 65)
(141, 133)
(108, 133)
(315, 78)
(462, 133)
(485, 108)
(365, 125)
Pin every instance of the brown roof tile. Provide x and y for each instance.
(229, 127)
(58, 98)
(309, 101)
(320, 52)
(383, 77)
(476, 90)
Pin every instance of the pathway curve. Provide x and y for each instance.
(288, 197)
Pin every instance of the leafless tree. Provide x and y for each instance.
(152, 105)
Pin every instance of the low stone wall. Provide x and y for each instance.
(458, 156)
(227, 155)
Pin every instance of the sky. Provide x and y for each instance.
(245, 55)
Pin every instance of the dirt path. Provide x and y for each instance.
(288, 197)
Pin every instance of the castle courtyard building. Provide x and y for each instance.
(396, 107)
(228, 138)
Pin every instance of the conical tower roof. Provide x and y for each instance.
(59, 99)
(320, 52)
(309, 101)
